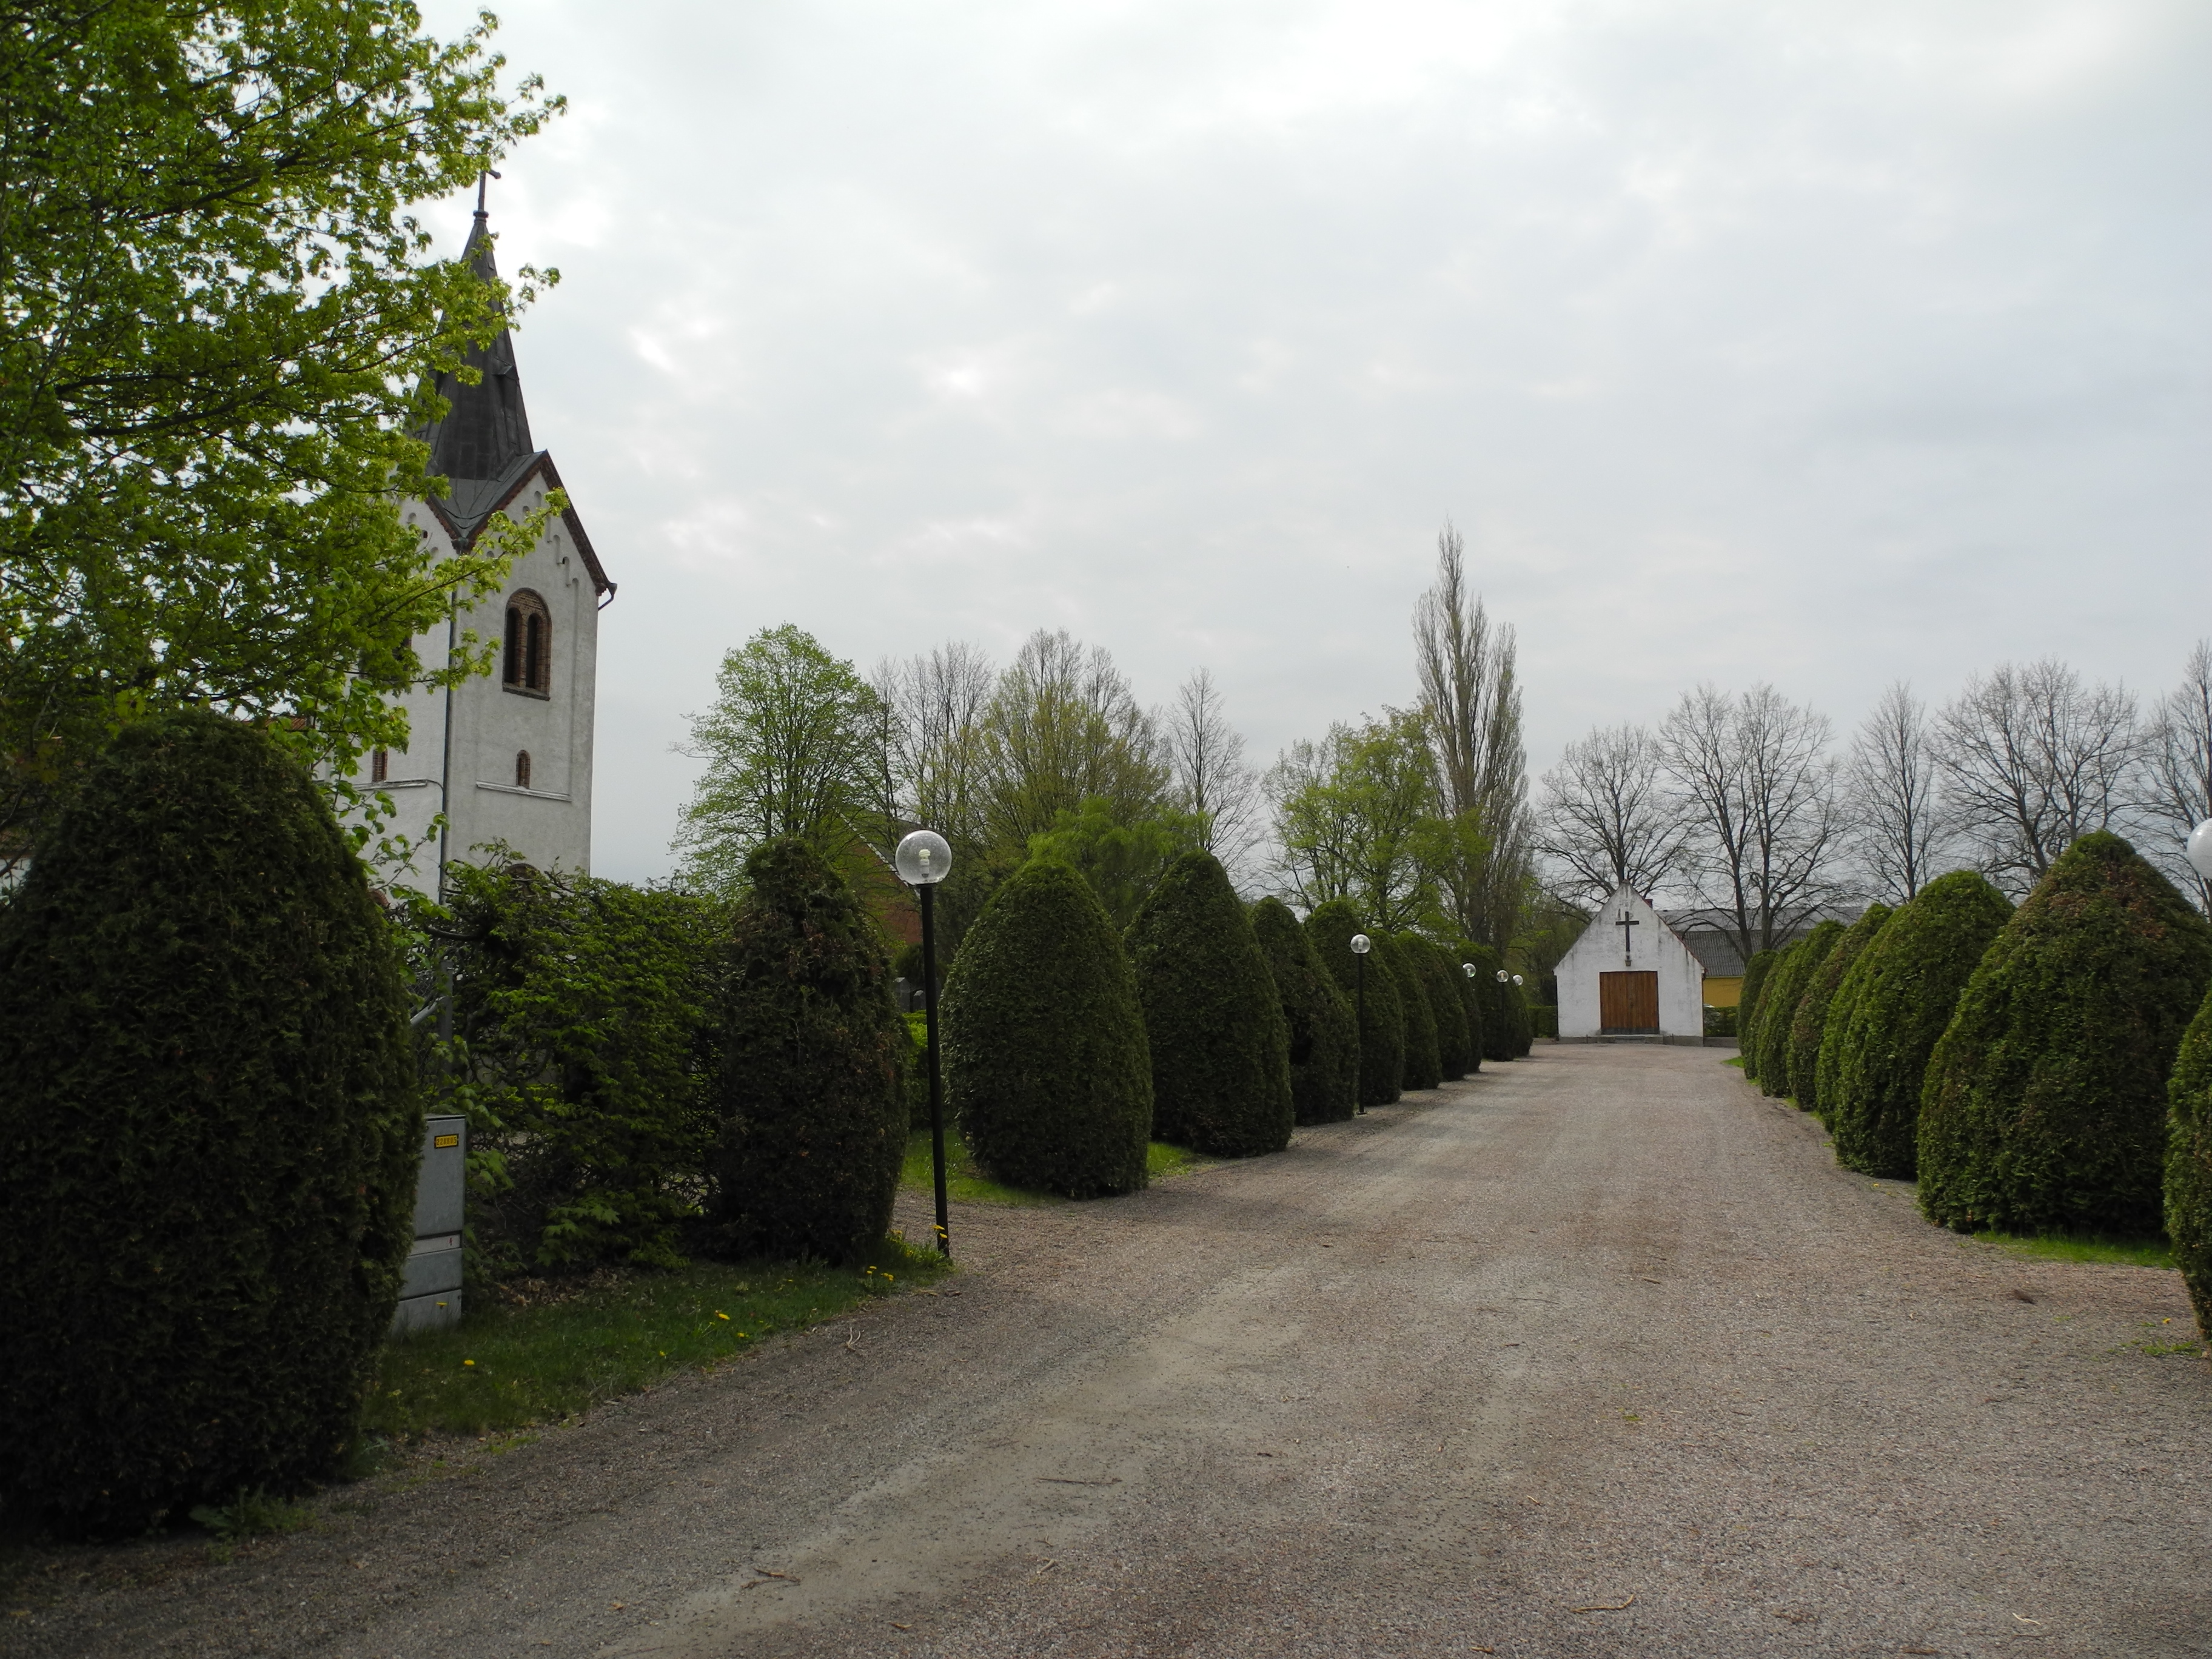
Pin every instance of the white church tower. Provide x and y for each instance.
(1631, 976)
(506, 756)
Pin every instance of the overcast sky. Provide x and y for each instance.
(1818, 343)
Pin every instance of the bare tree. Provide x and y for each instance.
(1212, 778)
(1898, 825)
(1471, 702)
(1606, 816)
(2031, 759)
(1755, 772)
(2176, 783)
(1062, 727)
(932, 746)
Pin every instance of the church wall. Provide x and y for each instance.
(1681, 976)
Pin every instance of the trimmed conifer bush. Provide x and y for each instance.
(1423, 1070)
(1781, 998)
(1047, 1067)
(2188, 1165)
(1523, 1024)
(1499, 1040)
(1470, 1001)
(811, 1110)
(1756, 973)
(1896, 1000)
(1454, 1053)
(1816, 1006)
(2044, 1106)
(1382, 1037)
(1220, 1053)
(209, 1134)
(1323, 1048)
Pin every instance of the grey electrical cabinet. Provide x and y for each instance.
(430, 1297)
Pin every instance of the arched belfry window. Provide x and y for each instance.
(528, 663)
(522, 769)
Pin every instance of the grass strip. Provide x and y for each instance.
(506, 1366)
(966, 1183)
(2084, 1247)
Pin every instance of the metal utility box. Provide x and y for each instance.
(430, 1295)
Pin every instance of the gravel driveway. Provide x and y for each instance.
(1597, 1353)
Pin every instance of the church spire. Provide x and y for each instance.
(486, 432)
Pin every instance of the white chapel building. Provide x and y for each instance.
(507, 756)
(1631, 976)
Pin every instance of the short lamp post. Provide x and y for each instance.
(2200, 849)
(1361, 945)
(924, 860)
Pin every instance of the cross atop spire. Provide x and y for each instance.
(482, 177)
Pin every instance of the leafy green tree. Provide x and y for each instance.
(1382, 1032)
(1755, 973)
(792, 747)
(1221, 1078)
(1122, 861)
(1317, 1016)
(1456, 1057)
(1358, 818)
(1899, 996)
(1422, 1068)
(2188, 1165)
(811, 1110)
(218, 328)
(1047, 1065)
(209, 1134)
(583, 1011)
(1778, 1010)
(2044, 1106)
(1816, 1006)
(1061, 728)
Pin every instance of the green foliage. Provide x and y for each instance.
(1220, 1052)
(1784, 990)
(811, 1104)
(1420, 1068)
(1719, 1022)
(1046, 1060)
(1323, 1048)
(1517, 1017)
(1501, 1038)
(1456, 1055)
(1382, 1029)
(791, 745)
(1359, 819)
(209, 1134)
(1123, 862)
(1897, 999)
(2044, 1108)
(1818, 1006)
(2189, 1164)
(1471, 1000)
(583, 1020)
(917, 1070)
(216, 330)
(1544, 1018)
(1755, 974)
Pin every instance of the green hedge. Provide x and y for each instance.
(1901, 993)
(811, 1107)
(584, 1013)
(2188, 1165)
(1043, 1044)
(1780, 999)
(1423, 1069)
(1382, 1037)
(1500, 1036)
(2044, 1106)
(209, 1135)
(1323, 1048)
(1220, 1053)
(1524, 1028)
(1454, 1053)
(1756, 973)
(1817, 1005)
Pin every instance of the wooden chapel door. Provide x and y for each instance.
(1628, 1003)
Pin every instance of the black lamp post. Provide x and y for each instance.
(924, 860)
(1361, 945)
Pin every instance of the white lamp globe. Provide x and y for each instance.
(2200, 849)
(923, 859)
(1469, 968)
(1503, 976)
(1517, 979)
(1361, 945)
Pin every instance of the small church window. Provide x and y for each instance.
(527, 665)
(379, 766)
(522, 769)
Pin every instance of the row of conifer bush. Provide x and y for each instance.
(2043, 1069)
(218, 1069)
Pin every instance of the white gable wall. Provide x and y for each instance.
(1653, 946)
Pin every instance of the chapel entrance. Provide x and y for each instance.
(1628, 1003)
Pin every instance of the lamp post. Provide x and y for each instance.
(1361, 945)
(924, 860)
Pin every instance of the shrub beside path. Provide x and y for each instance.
(1596, 1353)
